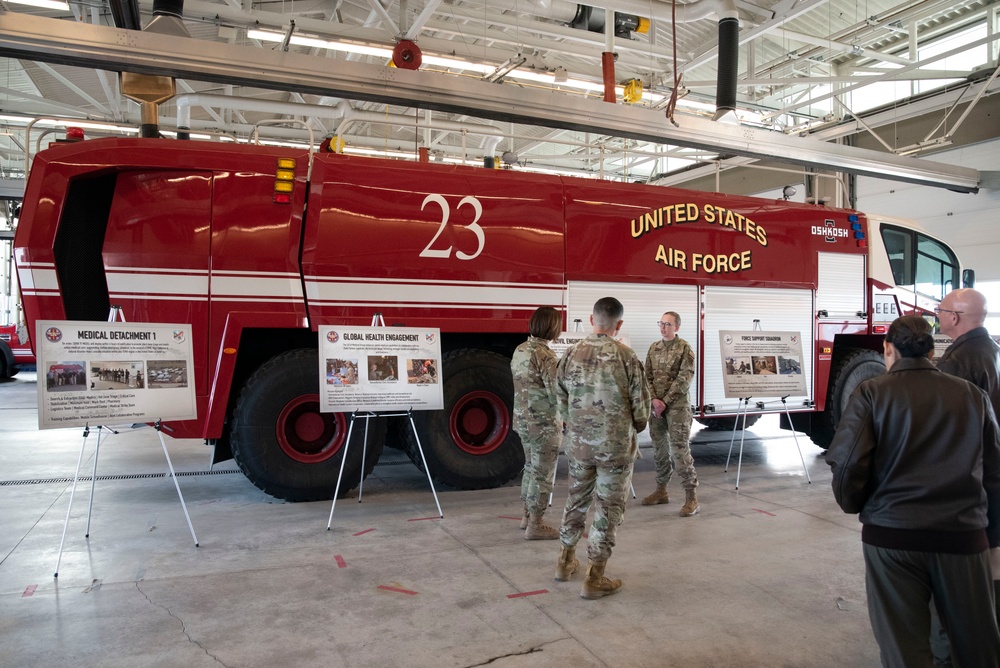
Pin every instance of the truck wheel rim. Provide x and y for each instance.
(479, 423)
(305, 434)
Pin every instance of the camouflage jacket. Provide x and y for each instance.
(605, 400)
(669, 370)
(535, 404)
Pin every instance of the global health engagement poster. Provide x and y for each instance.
(113, 372)
(380, 368)
(762, 364)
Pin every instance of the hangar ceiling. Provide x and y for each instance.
(805, 68)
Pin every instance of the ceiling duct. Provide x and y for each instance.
(167, 18)
(150, 90)
(729, 59)
(126, 14)
(585, 18)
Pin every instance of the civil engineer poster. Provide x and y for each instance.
(113, 372)
(380, 369)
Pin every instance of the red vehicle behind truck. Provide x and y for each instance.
(256, 247)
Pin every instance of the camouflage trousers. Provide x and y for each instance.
(610, 486)
(671, 435)
(541, 453)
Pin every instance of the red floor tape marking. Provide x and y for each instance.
(340, 561)
(507, 517)
(764, 511)
(528, 593)
(361, 533)
(29, 590)
(420, 519)
(397, 589)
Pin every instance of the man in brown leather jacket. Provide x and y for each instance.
(917, 454)
(974, 356)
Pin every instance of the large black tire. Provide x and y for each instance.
(282, 442)
(855, 366)
(8, 369)
(471, 443)
(726, 423)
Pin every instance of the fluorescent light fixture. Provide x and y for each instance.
(44, 4)
(315, 42)
(63, 123)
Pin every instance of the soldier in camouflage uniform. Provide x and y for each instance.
(605, 400)
(536, 418)
(669, 370)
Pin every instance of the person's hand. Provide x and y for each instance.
(658, 407)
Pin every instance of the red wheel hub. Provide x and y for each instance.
(305, 434)
(479, 422)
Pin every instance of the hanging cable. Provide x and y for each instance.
(672, 102)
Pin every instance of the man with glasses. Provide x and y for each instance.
(669, 370)
(974, 356)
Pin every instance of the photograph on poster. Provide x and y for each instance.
(736, 366)
(66, 377)
(420, 371)
(789, 365)
(383, 368)
(765, 365)
(116, 374)
(167, 373)
(341, 372)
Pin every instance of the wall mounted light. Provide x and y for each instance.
(44, 4)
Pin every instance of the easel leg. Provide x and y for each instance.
(736, 424)
(364, 451)
(424, 460)
(555, 472)
(93, 480)
(336, 490)
(802, 459)
(173, 475)
(743, 435)
(76, 476)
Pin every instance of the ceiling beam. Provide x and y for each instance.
(83, 45)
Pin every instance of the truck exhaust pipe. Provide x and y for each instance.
(150, 91)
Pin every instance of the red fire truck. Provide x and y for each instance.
(257, 247)
(15, 350)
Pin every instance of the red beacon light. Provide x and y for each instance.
(74, 133)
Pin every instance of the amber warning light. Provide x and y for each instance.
(284, 180)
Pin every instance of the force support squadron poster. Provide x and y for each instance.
(762, 364)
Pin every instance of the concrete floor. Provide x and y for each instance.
(769, 575)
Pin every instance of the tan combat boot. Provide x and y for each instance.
(538, 531)
(525, 518)
(596, 585)
(690, 506)
(657, 497)
(568, 564)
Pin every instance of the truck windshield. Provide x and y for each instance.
(920, 263)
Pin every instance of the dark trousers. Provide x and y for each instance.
(900, 584)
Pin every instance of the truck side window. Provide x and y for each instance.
(920, 261)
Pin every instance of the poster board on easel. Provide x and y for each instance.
(761, 364)
(92, 373)
(364, 370)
